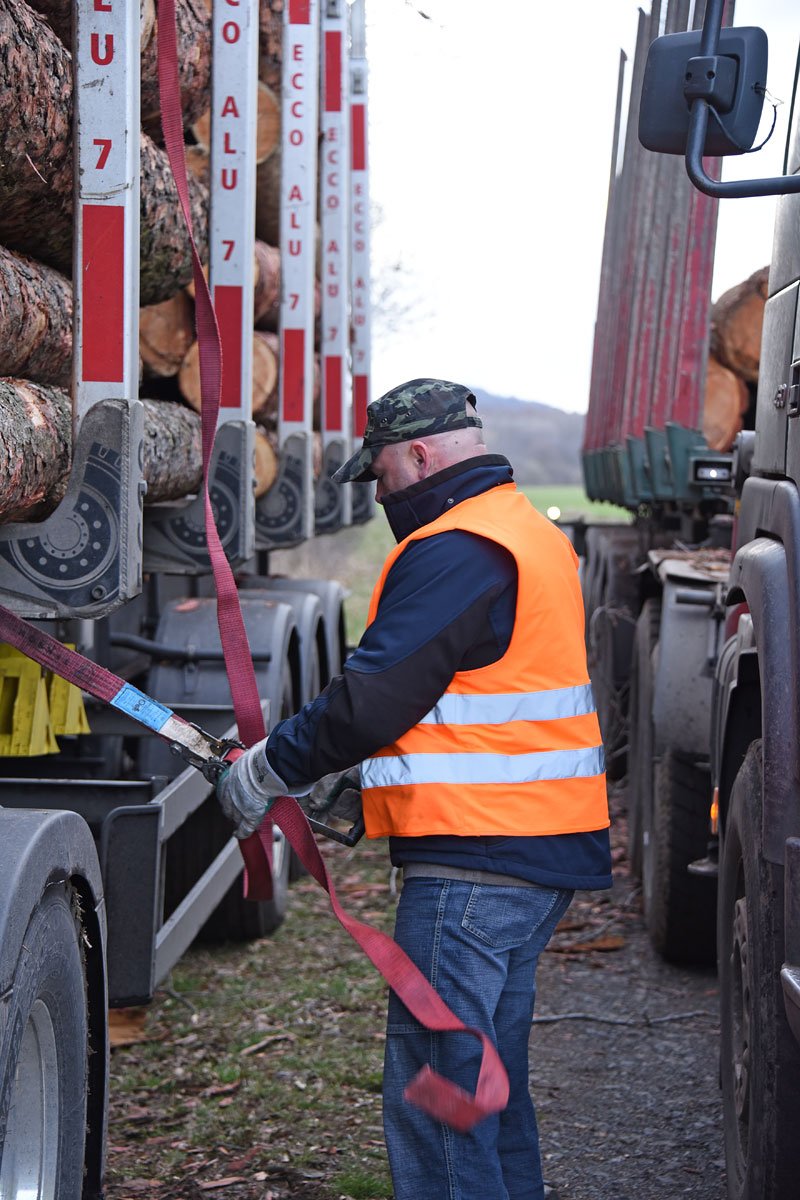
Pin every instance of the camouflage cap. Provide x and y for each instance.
(415, 409)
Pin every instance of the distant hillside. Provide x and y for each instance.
(542, 443)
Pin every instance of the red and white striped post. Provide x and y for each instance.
(333, 506)
(234, 99)
(106, 251)
(299, 125)
(359, 242)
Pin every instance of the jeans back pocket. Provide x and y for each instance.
(506, 917)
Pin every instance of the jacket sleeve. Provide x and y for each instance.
(447, 604)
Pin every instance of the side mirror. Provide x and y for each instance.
(731, 82)
(722, 90)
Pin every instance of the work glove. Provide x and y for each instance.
(247, 789)
(335, 795)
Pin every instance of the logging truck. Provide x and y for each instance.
(113, 858)
(693, 605)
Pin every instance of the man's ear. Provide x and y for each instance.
(422, 458)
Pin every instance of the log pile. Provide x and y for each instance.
(36, 234)
(735, 351)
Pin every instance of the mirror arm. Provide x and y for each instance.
(779, 185)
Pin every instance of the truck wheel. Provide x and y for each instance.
(43, 1059)
(759, 1058)
(679, 908)
(640, 752)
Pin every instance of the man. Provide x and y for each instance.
(468, 704)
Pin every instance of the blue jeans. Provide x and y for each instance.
(479, 946)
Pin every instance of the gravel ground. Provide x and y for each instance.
(628, 1101)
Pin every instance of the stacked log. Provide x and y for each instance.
(166, 331)
(736, 320)
(35, 321)
(36, 449)
(193, 34)
(270, 43)
(58, 14)
(36, 235)
(735, 351)
(268, 124)
(265, 376)
(36, 164)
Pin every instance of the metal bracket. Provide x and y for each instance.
(329, 496)
(85, 559)
(175, 534)
(280, 514)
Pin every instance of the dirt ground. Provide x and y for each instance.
(259, 1075)
(628, 1101)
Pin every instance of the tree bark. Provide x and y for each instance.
(36, 449)
(36, 164)
(736, 320)
(173, 451)
(166, 331)
(268, 124)
(270, 43)
(35, 321)
(726, 400)
(58, 14)
(166, 261)
(193, 31)
(35, 137)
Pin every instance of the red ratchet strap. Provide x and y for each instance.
(257, 849)
(440, 1098)
(435, 1095)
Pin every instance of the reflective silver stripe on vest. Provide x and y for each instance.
(456, 708)
(465, 769)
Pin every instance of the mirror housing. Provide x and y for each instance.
(731, 82)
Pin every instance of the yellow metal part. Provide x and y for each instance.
(67, 714)
(714, 814)
(25, 726)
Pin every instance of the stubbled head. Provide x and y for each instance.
(413, 431)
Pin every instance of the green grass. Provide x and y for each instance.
(572, 502)
(360, 1185)
(309, 1098)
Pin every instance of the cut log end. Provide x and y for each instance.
(166, 331)
(726, 400)
(736, 321)
(265, 376)
(268, 124)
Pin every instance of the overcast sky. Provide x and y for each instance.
(490, 138)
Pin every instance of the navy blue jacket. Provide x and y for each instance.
(447, 605)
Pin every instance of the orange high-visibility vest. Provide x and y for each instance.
(512, 748)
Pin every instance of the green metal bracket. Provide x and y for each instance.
(682, 444)
(659, 462)
(639, 467)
